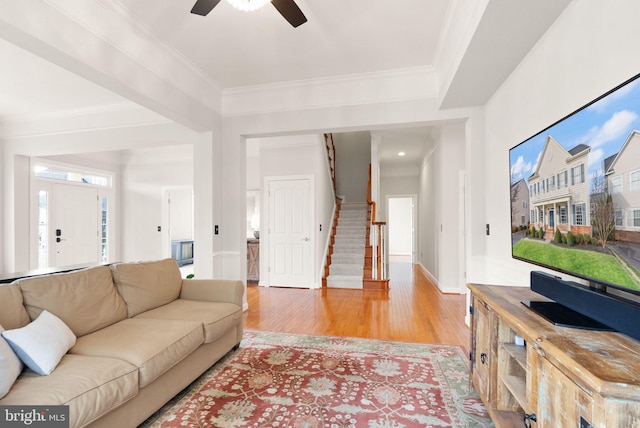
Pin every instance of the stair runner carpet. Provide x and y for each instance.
(347, 261)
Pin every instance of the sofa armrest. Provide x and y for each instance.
(214, 290)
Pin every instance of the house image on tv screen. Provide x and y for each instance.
(559, 190)
(622, 172)
(520, 217)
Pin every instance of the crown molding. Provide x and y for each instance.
(357, 89)
(133, 21)
(81, 119)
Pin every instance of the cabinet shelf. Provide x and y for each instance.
(517, 352)
(517, 386)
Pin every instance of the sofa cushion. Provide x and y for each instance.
(147, 285)
(10, 366)
(90, 386)
(86, 300)
(42, 343)
(153, 345)
(216, 318)
(12, 311)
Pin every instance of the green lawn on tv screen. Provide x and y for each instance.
(588, 263)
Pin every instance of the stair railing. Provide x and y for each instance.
(377, 238)
(331, 155)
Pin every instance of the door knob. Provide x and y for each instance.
(306, 238)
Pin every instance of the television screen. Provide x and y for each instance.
(575, 192)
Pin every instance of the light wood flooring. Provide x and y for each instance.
(412, 310)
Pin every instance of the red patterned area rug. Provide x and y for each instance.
(286, 380)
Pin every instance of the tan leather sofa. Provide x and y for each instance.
(142, 334)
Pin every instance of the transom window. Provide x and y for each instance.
(71, 176)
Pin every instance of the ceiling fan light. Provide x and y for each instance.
(248, 5)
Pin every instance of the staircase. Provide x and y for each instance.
(350, 258)
(345, 264)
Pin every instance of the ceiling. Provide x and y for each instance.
(235, 49)
(341, 37)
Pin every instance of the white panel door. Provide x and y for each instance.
(290, 244)
(74, 225)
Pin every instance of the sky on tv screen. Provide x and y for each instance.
(603, 125)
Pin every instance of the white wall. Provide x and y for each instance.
(591, 48)
(21, 250)
(439, 223)
(144, 178)
(2, 199)
(389, 186)
(181, 214)
(353, 156)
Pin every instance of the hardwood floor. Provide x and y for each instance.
(412, 310)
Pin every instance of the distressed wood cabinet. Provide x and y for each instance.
(530, 373)
(253, 260)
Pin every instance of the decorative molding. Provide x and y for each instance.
(93, 44)
(133, 21)
(81, 119)
(407, 84)
(433, 279)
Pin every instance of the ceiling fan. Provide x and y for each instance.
(287, 8)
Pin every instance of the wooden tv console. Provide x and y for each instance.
(566, 377)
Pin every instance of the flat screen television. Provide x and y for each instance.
(575, 209)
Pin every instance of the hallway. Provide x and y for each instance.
(413, 310)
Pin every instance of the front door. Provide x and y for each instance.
(551, 219)
(290, 239)
(74, 225)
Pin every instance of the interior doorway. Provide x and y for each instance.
(401, 226)
(178, 226)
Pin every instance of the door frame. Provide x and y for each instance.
(40, 183)
(265, 251)
(166, 217)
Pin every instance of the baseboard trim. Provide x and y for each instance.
(433, 279)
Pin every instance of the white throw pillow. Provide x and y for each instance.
(10, 366)
(42, 343)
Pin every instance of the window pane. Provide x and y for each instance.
(43, 229)
(634, 180)
(103, 228)
(76, 177)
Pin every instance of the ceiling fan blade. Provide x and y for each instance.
(203, 7)
(290, 11)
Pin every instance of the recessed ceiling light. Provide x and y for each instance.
(401, 153)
